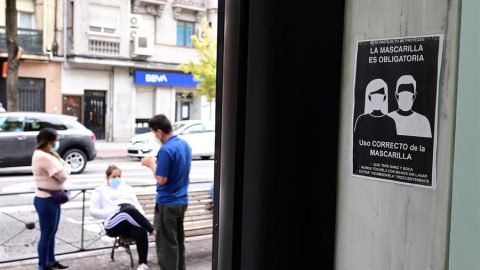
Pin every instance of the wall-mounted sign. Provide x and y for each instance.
(394, 121)
(163, 78)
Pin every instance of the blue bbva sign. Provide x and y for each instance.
(163, 78)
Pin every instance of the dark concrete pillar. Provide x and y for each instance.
(276, 172)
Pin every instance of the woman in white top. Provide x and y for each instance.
(116, 203)
(50, 172)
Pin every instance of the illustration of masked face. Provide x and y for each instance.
(405, 100)
(377, 101)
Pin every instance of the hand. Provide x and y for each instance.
(124, 205)
(148, 161)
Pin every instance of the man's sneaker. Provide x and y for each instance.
(58, 265)
(142, 267)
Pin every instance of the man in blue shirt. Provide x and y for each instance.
(171, 169)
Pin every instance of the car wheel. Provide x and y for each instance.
(77, 160)
(205, 157)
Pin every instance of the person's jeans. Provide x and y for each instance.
(49, 216)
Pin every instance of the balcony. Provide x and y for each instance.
(152, 7)
(104, 47)
(189, 3)
(197, 6)
(30, 40)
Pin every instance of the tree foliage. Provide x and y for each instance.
(205, 70)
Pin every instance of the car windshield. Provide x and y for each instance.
(177, 126)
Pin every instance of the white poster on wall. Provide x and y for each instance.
(394, 123)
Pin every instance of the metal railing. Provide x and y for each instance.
(77, 231)
(30, 40)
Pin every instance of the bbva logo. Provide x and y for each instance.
(156, 78)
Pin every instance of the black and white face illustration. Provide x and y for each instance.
(405, 100)
(376, 96)
(377, 101)
(409, 122)
(406, 92)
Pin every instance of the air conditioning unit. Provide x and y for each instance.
(142, 45)
(200, 34)
(133, 33)
(135, 20)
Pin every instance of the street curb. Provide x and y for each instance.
(111, 157)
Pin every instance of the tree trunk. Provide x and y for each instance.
(13, 103)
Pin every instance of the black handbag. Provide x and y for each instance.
(60, 196)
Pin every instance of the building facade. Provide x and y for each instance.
(40, 70)
(100, 52)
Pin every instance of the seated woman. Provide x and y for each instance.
(116, 203)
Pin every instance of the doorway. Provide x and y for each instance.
(94, 112)
(31, 93)
(183, 105)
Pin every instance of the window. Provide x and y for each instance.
(184, 33)
(11, 124)
(35, 124)
(25, 20)
(185, 111)
(103, 19)
(26, 14)
(71, 124)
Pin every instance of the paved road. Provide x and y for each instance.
(21, 179)
(199, 257)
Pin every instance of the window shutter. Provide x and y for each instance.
(103, 16)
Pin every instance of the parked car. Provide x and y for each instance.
(199, 134)
(18, 136)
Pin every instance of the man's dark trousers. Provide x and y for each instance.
(170, 239)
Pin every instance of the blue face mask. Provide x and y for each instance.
(55, 148)
(115, 182)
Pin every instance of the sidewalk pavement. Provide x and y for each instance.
(198, 256)
(198, 249)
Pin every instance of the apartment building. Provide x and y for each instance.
(40, 68)
(115, 63)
